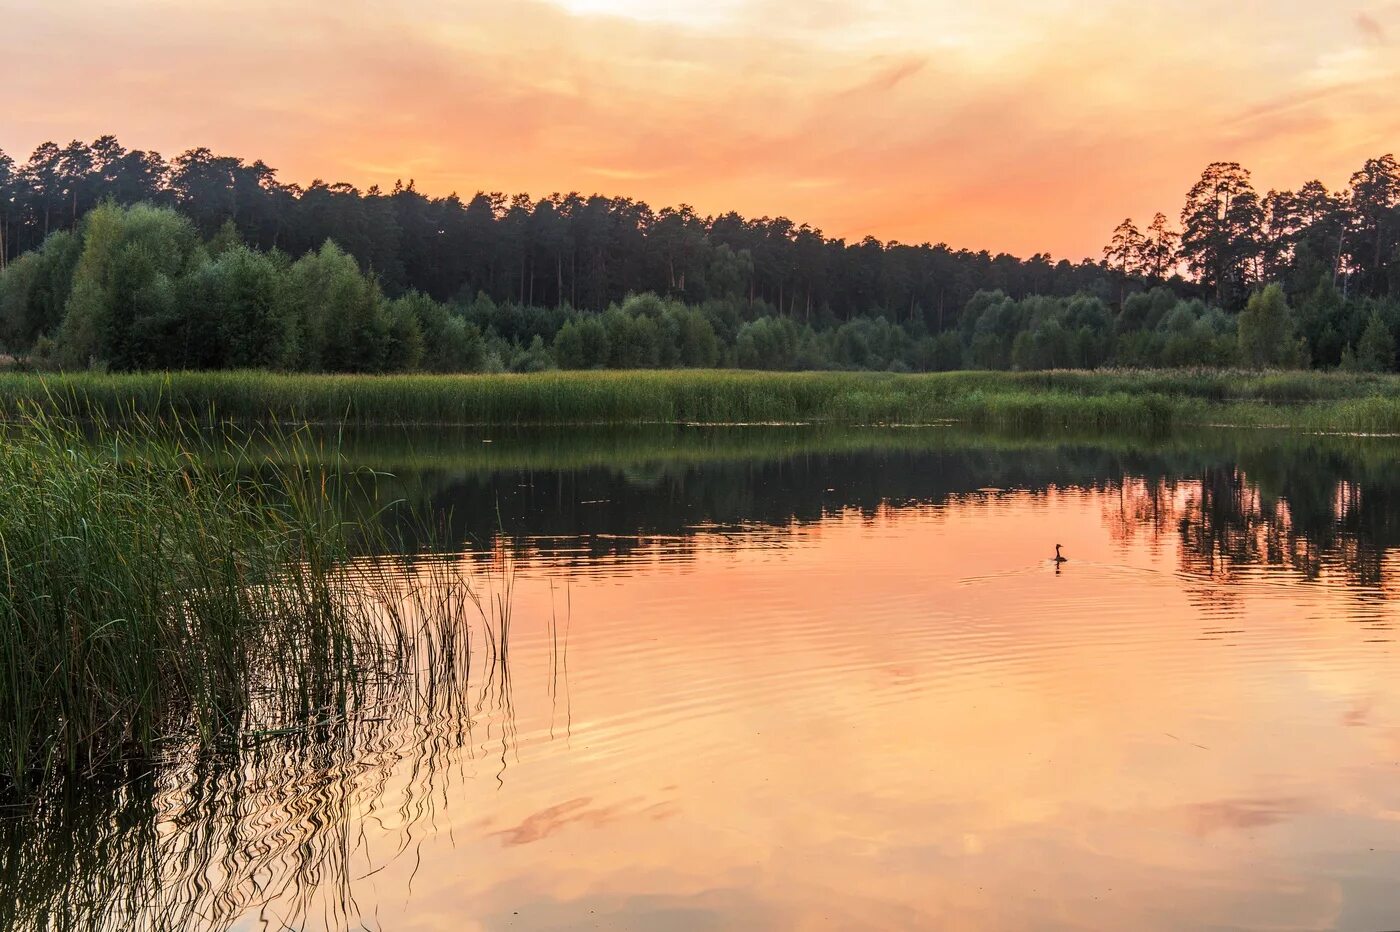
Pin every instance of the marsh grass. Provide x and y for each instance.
(282, 817)
(171, 596)
(1119, 400)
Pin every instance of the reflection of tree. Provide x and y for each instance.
(1139, 508)
(1273, 500)
(1369, 523)
(1323, 516)
(1223, 526)
(596, 513)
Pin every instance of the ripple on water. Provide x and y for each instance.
(899, 715)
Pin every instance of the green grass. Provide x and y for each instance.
(1144, 400)
(158, 597)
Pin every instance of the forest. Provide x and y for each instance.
(118, 259)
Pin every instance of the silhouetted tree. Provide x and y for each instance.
(1221, 227)
(484, 276)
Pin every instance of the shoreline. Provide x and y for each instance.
(1114, 399)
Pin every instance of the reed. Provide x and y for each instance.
(1136, 400)
(162, 597)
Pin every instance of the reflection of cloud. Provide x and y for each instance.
(1358, 715)
(547, 822)
(523, 905)
(1242, 814)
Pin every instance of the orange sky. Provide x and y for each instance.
(1007, 124)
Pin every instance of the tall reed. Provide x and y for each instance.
(1118, 400)
(150, 597)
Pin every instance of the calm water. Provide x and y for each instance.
(764, 678)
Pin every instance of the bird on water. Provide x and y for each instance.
(1058, 558)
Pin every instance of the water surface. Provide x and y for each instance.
(816, 678)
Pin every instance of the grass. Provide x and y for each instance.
(160, 597)
(1135, 400)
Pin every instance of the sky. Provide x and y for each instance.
(1011, 125)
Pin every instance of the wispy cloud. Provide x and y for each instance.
(889, 75)
(1370, 27)
(1008, 124)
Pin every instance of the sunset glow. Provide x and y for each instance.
(1010, 126)
(699, 464)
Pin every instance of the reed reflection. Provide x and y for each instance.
(284, 824)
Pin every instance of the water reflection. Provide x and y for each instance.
(816, 679)
(1236, 499)
(274, 824)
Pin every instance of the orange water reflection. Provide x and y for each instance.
(871, 716)
(912, 720)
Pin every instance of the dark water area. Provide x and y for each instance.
(1301, 492)
(817, 678)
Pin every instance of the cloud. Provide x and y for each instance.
(1007, 125)
(889, 76)
(1370, 27)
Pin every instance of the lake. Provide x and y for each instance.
(763, 677)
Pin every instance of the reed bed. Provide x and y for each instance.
(158, 598)
(1119, 400)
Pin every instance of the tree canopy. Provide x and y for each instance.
(122, 258)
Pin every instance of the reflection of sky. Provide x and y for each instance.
(912, 720)
(1007, 125)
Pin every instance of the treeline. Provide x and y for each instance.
(139, 288)
(570, 250)
(116, 257)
